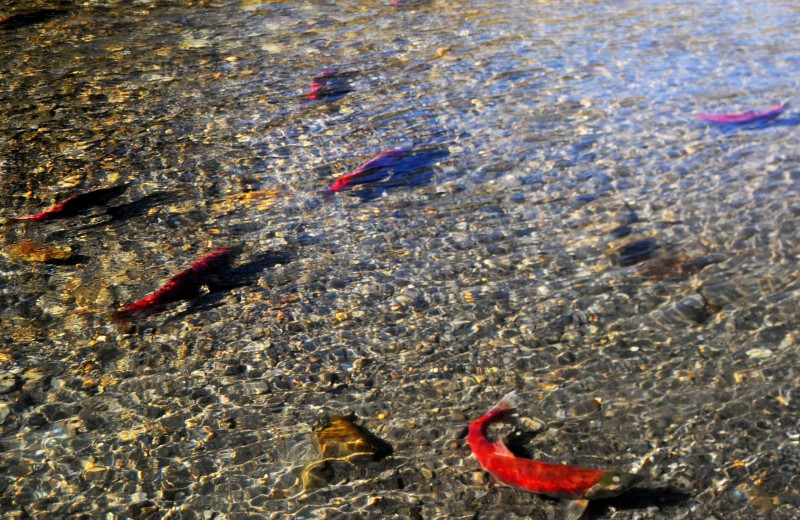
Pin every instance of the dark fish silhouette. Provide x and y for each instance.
(74, 205)
(183, 285)
(16, 21)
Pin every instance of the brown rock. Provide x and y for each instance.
(340, 437)
(31, 251)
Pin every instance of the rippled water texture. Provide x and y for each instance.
(565, 226)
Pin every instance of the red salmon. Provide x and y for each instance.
(574, 485)
(319, 81)
(745, 117)
(373, 170)
(182, 286)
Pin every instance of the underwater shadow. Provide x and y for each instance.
(247, 273)
(787, 121)
(637, 498)
(72, 260)
(518, 441)
(20, 20)
(138, 207)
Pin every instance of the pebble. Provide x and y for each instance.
(460, 432)
(36, 419)
(30, 251)
(35, 374)
(7, 382)
(458, 416)
(634, 251)
(532, 424)
(759, 353)
(694, 308)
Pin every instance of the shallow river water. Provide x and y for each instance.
(564, 225)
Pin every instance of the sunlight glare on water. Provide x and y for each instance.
(560, 223)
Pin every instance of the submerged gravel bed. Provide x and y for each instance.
(564, 227)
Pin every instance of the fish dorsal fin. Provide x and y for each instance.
(501, 449)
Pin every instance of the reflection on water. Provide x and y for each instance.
(566, 226)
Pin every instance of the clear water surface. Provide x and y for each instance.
(567, 228)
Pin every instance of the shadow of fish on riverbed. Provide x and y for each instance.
(414, 170)
(638, 498)
(787, 121)
(141, 206)
(247, 273)
(20, 20)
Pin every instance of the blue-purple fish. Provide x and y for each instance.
(376, 169)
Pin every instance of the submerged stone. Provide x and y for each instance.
(762, 500)
(694, 308)
(633, 252)
(30, 251)
(341, 444)
(7, 382)
(340, 437)
(676, 266)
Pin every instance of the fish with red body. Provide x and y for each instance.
(574, 485)
(377, 168)
(318, 82)
(329, 85)
(75, 204)
(750, 116)
(183, 285)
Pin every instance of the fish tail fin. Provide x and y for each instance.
(505, 409)
(573, 509)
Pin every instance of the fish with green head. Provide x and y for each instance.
(574, 485)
